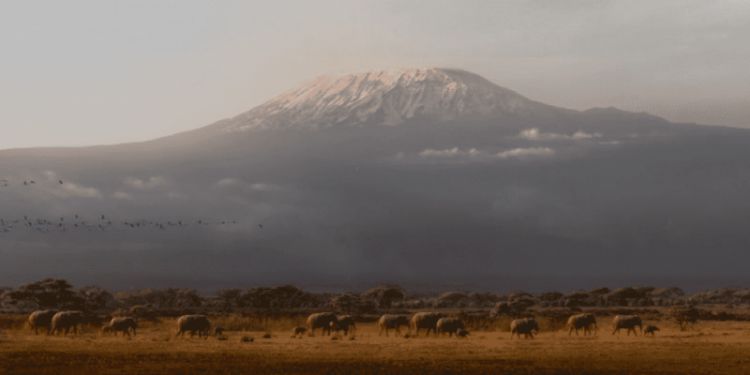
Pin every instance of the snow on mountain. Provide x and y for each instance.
(388, 97)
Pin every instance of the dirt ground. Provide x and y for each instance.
(709, 348)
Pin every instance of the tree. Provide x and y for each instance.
(352, 303)
(385, 295)
(685, 316)
(48, 293)
(171, 298)
(230, 298)
(95, 298)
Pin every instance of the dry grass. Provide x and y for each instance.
(710, 348)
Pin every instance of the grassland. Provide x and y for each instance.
(709, 348)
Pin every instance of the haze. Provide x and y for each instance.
(94, 72)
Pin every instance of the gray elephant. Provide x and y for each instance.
(41, 319)
(650, 330)
(299, 332)
(526, 327)
(125, 325)
(194, 324)
(628, 322)
(389, 321)
(449, 326)
(66, 321)
(321, 320)
(424, 320)
(583, 321)
(343, 323)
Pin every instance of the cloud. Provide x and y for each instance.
(70, 189)
(474, 154)
(235, 183)
(147, 184)
(520, 153)
(122, 195)
(450, 153)
(534, 134)
(227, 182)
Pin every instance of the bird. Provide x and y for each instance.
(260, 226)
(60, 181)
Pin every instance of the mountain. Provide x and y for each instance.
(385, 98)
(429, 178)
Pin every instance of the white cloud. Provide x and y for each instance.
(583, 135)
(69, 189)
(472, 154)
(520, 153)
(534, 134)
(449, 153)
(147, 184)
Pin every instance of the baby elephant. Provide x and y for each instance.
(298, 332)
(462, 332)
(218, 331)
(125, 325)
(650, 330)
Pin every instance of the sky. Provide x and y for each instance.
(99, 72)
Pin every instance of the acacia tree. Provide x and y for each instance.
(48, 293)
(685, 316)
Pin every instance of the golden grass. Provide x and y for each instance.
(710, 348)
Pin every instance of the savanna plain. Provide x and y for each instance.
(258, 345)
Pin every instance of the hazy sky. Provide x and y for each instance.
(98, 71)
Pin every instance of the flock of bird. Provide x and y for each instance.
(101, 223)
(27, 182)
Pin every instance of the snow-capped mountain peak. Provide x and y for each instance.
(388, 97)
